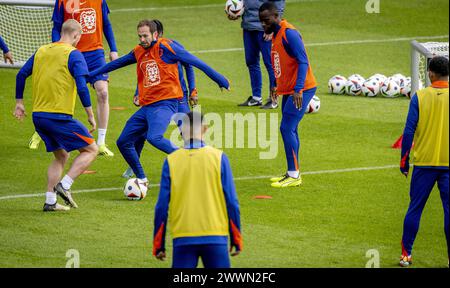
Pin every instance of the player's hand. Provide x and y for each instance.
(161, 256)
(193, 98)
(234, 253)
(91, 120)
(233, 18)
(8, 57)
(298, 100)
(404, 169)
(113, 56)
(136, 100)
(268, 37)
(19, 112)
(274, 95)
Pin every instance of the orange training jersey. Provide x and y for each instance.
(89, 14)
(285, 67)
(157, 80)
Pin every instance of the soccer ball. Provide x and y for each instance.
(135, 189)
(234, 8)
(390, 88)
(336, 85)
(405, 88)
(355, 76)
(400, 79)
(371, 88)
(353, 85)
(406, 91)
(379, 77)
(314, 105)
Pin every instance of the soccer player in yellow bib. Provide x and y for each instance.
(59, 72)
(427, 125)
(198, 198)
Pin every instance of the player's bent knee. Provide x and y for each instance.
(91, 149)
(155, 140)
(123, 142)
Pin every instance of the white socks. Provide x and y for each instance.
(67, 182)
(101, 137)
(50, 198)
(294, 174)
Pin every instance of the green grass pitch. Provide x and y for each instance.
(330, 221)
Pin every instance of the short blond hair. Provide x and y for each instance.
(70, 26)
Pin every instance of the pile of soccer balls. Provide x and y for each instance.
(355, 85)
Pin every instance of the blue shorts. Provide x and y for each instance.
(66, 134)
(212, 255)
(96, 59)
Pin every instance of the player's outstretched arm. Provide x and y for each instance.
(114, 65)
(176, 53)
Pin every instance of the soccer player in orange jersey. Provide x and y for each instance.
(159, 90)
(295, 82)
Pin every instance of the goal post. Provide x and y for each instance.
(421, 54)
(25, 25)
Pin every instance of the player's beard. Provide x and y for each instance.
(146, 45)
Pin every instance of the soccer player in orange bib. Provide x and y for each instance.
(295, 82)
(93, 17)
(159, 91)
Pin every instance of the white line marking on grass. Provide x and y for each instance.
(142, 9)
(350, 42)
(235, 179)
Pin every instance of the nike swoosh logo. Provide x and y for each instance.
(253, 104)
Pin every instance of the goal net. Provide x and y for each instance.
(25, 25)
(421, 54)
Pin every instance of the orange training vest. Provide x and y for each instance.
(285, 67)
(157, 80)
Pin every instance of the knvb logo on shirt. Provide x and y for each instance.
(88, 20)
(151, 73)
(276, 64)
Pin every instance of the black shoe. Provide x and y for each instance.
(250, 102)
(55, 208)
(65, 195)
(270, 105)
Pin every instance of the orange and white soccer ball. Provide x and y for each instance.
(234, 8)
(135, 189)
